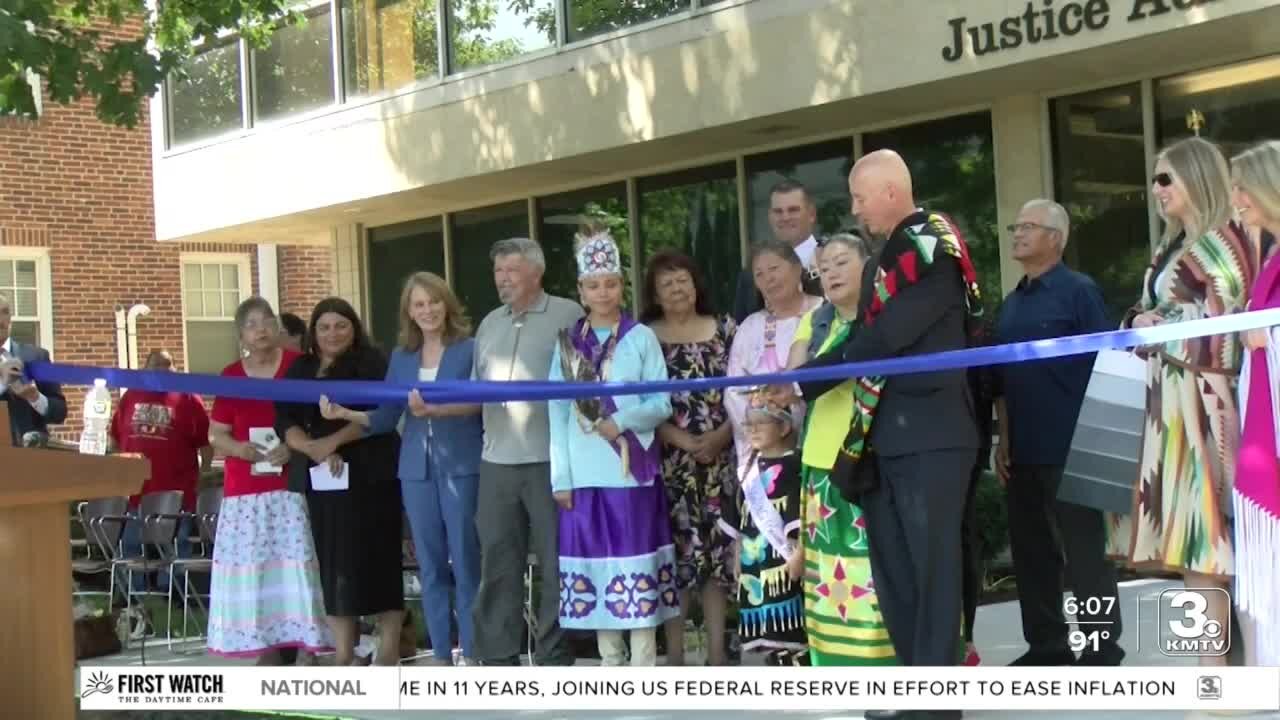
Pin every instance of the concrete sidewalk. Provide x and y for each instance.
(998, 632)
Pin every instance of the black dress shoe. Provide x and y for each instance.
(1044, 658)
(1110, 655)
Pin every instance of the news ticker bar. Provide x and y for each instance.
(664, 688)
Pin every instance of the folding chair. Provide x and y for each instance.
(159, 513)
(205, 520)
(101, 538)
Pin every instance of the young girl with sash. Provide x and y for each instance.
(617, 559)
(765, 522)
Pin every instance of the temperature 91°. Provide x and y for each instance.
(1087, 641)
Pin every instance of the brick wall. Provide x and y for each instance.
(305, 278)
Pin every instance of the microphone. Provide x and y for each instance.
(35, 439)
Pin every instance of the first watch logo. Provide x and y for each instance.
(98, 682)
(167, 689)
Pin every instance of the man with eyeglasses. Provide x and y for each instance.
(1037, 406)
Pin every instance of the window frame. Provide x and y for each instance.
(1147, 81)
(224, 39)
(337, 91)
(243, 267)
(44, 289)
(445, 75)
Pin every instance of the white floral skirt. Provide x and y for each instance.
(265, 590)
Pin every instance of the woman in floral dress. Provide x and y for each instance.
(697, 458)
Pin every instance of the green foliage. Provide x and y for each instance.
(88, 47)
(699, 219)
(469, 33)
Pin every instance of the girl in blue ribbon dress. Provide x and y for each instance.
(617, 559)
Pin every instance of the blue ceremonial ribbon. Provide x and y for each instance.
(375, 392)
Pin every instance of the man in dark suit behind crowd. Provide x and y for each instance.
(793, 215)
(33, 407)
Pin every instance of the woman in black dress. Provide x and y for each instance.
(357, 529)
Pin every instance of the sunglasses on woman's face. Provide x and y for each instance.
(1163, 179)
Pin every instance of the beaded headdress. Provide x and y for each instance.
(598, 255)
(761, 408)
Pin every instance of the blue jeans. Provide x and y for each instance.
(132, 543)
(442, 512)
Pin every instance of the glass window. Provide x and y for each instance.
(952, 165)
(1100, 176)
(1235, 106)
(474, 233)
(211, 291)
(822, 168)
(387, 45)
(696, 212)
(20, 284)
(207, 101)
(559, 219)
(484, 32)
(596, 17)
(295, 72)
(395, 253)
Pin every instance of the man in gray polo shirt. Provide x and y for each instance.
(515, 510)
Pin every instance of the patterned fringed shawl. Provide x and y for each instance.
(1183, 494)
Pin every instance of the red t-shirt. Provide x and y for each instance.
(242, 414)
(168, 429)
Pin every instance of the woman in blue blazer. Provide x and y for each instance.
(439, 456)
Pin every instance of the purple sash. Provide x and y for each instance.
(644, 464)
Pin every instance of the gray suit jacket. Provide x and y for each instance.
(22, 417)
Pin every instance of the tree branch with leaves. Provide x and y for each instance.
(116, 52)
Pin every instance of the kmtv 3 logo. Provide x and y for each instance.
(1195, 622)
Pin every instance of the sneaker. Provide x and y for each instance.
(464, 661)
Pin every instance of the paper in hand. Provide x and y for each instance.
(266, 440)
(322, 480)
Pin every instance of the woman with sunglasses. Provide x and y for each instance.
(1202, 268)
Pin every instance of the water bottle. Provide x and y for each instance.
(97, 419)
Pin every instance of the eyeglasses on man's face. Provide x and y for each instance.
(1028, 227)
